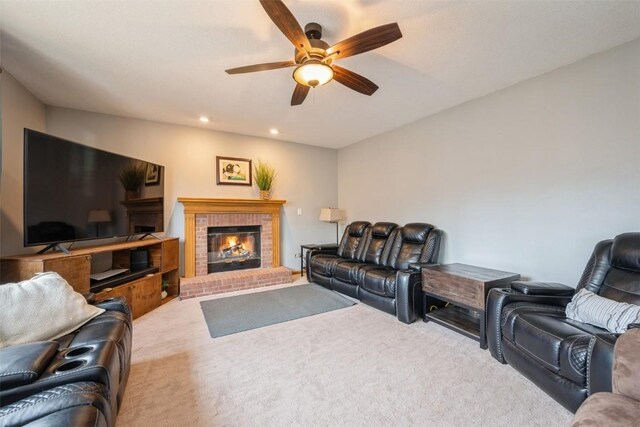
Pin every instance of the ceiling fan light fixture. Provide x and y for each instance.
(313, 73)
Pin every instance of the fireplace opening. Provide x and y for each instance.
(233, 248)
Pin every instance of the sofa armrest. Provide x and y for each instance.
(418, 266)
(408, 295)
(329, 249)
(326, 247)
(542, 288)
(115, 304)
(600, 363)
(89, 297)
(497, 299)
(23, 363)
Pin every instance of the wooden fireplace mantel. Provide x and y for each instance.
(194, 206)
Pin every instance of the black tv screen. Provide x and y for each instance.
(74, 192)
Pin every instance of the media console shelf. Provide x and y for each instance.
(142, 293)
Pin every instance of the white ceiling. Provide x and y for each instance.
(165, 60)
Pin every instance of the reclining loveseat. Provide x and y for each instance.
(379, 265)
(527, 325)
(77, 379)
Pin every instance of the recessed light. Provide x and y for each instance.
(273, 131)
(204, 119)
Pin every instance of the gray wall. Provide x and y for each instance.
(526, 179)
(307, 176)
(20, 109)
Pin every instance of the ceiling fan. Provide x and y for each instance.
(314, 58)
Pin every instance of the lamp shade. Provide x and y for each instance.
(313, 73)
(99, 215)
(330, 214)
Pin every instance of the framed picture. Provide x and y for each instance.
(152, 176)
(233, 171)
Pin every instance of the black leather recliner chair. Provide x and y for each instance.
(99, 352)
(570, 360)
(379, 265)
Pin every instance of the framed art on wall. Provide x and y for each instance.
(152, 175)
(233, 171)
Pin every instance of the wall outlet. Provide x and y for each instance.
(299, 211)
(296, 255)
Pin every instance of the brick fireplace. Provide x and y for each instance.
(217, 263)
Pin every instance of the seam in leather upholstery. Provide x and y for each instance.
(592, 344)
(6, 374)
(45, 398)
(499, 325)
(72, 372)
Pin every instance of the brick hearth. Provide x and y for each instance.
(230, 281)
(203, 213)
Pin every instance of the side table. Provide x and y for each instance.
(465, 288)
(312, 246)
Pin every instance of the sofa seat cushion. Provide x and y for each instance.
(347, 270)
(324, 264)
(380, 282)
(360, 273)
(552, 340)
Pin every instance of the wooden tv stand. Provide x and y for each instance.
(142, 294)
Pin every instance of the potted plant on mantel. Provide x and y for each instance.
(264, 174)
(131, 178)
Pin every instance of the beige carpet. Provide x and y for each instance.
(349, 367)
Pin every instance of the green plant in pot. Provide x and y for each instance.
(165, 289)
(131, 178)
(264, 174)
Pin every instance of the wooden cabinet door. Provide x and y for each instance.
(169, 255)
(74, 269)
(118, 291)
(145, 294)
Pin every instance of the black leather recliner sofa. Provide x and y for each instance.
(570, 360)
(379, 265)
(92, 361)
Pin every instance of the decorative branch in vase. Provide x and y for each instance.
(264, 175)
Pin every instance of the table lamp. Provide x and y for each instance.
(331, 215)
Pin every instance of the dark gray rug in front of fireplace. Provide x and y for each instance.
(226, 316)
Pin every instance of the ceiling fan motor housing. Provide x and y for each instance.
(313, 32)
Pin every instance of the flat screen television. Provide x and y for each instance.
(74, 192)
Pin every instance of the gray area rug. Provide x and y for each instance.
(226, 316)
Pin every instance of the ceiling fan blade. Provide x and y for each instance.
(286, 22)
(353, 80)
(260, 67)
(299, 94)
(366, 41)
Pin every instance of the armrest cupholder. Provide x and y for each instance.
(78, 351)
(69, 366)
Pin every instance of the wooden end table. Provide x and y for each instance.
(465, 288)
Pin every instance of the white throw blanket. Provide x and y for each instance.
(43, 308)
